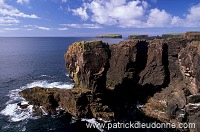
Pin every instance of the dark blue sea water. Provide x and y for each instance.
(29, 62)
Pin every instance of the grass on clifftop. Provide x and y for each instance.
(193, 32)
(112, 35)
(173, 34)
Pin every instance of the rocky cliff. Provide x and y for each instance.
(161, 74)
(192, 35)
(76, 102)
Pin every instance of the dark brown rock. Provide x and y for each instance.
(189, 60)
(192, 108)
(155, 72)
(22, 106)
(194, 119)
(193, 98)
(172, 108)
(163, 74)
(122, 64)
(184, 80)
(87, 63)
(80, 103)
(192, 35)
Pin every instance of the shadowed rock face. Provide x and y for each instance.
(156, 70)
(162, 74)
(189, 59)
(179, 100)
(87, 63)
(98, 66)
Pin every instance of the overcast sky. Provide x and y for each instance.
(96, 17)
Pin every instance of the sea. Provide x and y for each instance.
(26, 62)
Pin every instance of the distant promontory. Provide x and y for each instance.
(110, 36)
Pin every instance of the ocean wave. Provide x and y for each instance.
(66, 74)
(44, 76)
(46, 84)
(17, 114)
(14, 112)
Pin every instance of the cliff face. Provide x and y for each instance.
(178, 100)
(166, 70)
(98, 66)
(162, 74)
(192, 35)
(87, 63)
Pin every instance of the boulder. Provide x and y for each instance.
(22, 106)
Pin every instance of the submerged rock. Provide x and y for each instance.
(22, 106)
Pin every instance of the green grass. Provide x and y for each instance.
(137, 35)
(112, 35)
(172, 35)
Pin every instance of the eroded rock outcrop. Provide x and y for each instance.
(76, 102)
(156, 70)
(87, 63)
(192, 35)
(162, 74)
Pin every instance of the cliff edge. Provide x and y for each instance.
(163, 75)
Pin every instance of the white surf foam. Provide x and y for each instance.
(139, 106)
(46, 84)
(23, 129)
(44, 76)
(14, 112)
(66, 74)
(17, 114)
(92, 120)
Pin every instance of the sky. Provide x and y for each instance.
(88, 18)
